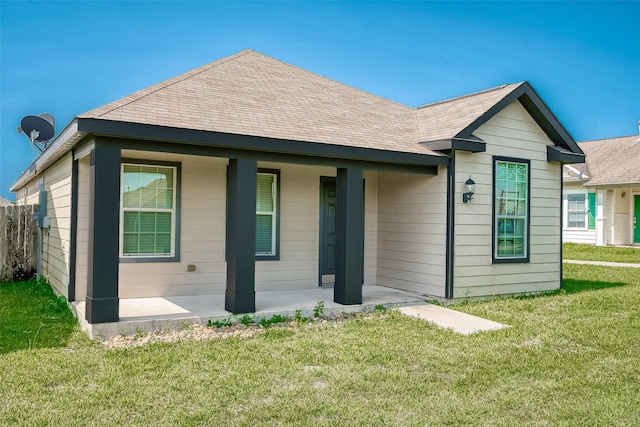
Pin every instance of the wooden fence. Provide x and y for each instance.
(18, 243)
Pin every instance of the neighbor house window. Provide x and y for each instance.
(511, 213)
(266, 213)
(580, 210)
(576, 210)
(148, 211)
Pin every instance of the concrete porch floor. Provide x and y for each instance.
(162, 313)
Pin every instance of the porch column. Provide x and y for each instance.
(240, 296)
(349, 236)
(102, 303)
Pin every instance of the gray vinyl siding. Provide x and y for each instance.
(510, 133)
(202, 232)
(82, 232)
(412, 232)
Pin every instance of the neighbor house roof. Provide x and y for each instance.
(252, 101)
(611, 161)
(5, 202)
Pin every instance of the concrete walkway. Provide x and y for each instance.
(462, 323)
(602, 263)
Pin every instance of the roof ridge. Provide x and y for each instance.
(457, 98)
(142, 93)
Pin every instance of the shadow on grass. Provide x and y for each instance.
(32, 316)
(572, 286)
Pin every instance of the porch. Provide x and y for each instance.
(173, 312)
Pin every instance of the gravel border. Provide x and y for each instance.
(204, 333)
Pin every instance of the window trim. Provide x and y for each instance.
(494, 216)
(590, 209)
(565, 211)
(175, 226)
(275, 256)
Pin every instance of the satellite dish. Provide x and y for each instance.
(39, 129)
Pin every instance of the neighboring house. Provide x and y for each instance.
(601, 199)
(5, 202)
(249, 174)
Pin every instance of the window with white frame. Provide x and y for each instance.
(579, 209)
(266, 214)
(511, 214)
(576, 210)
(148, 211)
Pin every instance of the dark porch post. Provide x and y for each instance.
(240, 296)
(104, 217)
(349, 237)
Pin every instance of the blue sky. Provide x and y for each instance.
(65, 58)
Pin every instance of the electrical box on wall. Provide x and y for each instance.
(46, 222)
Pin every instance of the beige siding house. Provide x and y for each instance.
(251, 175)
(601, 198)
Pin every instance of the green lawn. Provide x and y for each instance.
(568, 359)
(600, 253)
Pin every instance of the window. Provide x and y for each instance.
(580, 210)
(576, 210)
(511, 213)
(266, 214)
(148, 212)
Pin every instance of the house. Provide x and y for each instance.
(251, 175)
(5, 202)
(601, 198)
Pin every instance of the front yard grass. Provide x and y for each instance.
(584, 252)
(567, 359)
(32, 317)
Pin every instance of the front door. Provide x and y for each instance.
(636, 219)
(327, 230)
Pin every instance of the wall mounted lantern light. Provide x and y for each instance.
(470, 185)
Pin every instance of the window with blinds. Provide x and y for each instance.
(511, 216)
(266, 213)
(148, 203)
(576, 210)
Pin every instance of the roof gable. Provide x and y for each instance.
(457, 118)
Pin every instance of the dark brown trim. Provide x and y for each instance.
(71, 295)
(558, 154)
(449, 247)
(349, 236)
(102, 303)
(472, 144)
(114, 128)
(240, 295)
(201, 150)
(540, 112)
(562, 221)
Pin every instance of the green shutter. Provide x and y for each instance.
(592, 211)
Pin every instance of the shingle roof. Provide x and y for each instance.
(251, 94)
(276, 104)
(612, 161)
(446, 119)
(5, 202)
